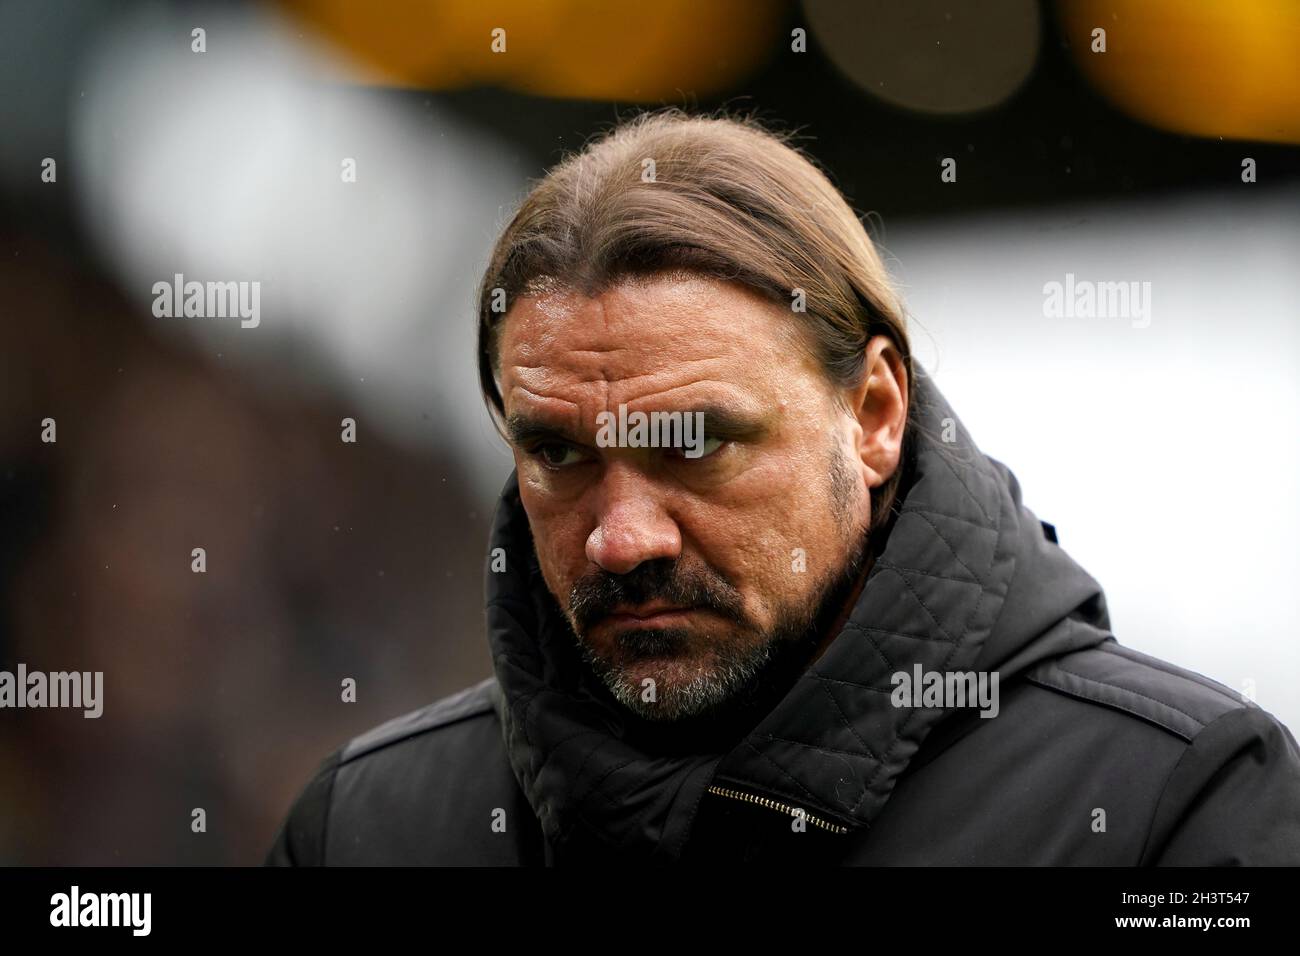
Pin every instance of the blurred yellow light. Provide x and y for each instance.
(637, 52)
(1227, 68)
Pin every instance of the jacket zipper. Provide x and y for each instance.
(779, 807)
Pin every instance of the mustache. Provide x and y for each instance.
(596, 595)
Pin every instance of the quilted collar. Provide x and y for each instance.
(966, 581)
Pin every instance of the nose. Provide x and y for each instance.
(632, 525)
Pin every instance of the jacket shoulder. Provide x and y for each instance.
(440, 716)
(1110, 675)
(430, 787)
(1230, 790)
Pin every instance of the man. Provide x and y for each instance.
(796, 617)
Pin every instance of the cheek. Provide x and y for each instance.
(559, 536)
(776, 536)
(754, 541)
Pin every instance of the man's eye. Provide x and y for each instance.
(706, 448)
(710, 445)
(557, 455)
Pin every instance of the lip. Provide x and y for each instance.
(656, 613)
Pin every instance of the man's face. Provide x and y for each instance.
(681, 575)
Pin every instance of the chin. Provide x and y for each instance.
(680, 688)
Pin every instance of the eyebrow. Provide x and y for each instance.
(719, 421)
(523, 430)
(727, 422)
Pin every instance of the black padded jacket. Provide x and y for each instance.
(1097, 755)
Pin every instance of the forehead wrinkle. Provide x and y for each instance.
(570, 406)
(729, 392)
(604, 374)
(684, 365)
(533, 354)
(605, 364)
(547, 376)
(603, 370)
(614, 391)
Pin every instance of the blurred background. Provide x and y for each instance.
(216, 141)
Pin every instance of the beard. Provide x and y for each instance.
(738, 680)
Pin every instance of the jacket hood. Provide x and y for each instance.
(967, 580)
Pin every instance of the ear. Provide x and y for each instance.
(879, 404)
